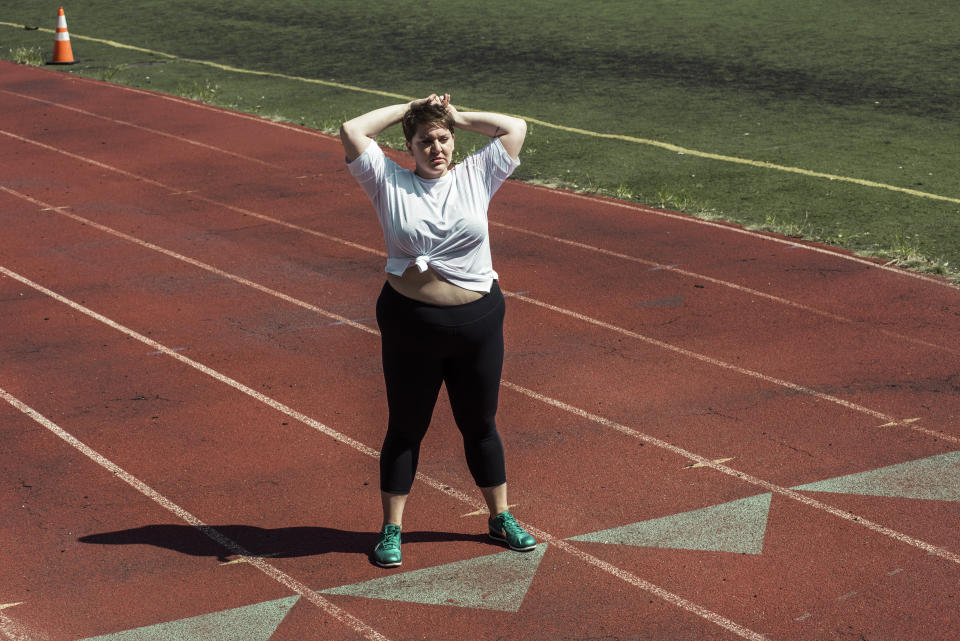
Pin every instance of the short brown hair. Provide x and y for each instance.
(429, 113)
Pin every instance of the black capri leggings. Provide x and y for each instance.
(423, 346)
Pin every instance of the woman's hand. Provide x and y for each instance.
(441, 99)
(450, 109)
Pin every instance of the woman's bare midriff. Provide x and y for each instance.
(430, 287)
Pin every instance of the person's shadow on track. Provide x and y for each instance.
(260, 542)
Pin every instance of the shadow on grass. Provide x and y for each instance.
(262, 542)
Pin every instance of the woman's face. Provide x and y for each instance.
(432, 150)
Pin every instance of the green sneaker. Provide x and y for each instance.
(504, 528)
(386, 553)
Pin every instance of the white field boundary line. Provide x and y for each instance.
(695, 458)
(157, 132)
(603, 201)
(270, 570)
(543, 123)
(652, 341)
(886, 418)
(212, 533)
(723, 283)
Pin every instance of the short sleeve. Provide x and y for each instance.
(496, 163)
(368, 169)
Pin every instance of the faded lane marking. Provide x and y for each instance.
(655, 266)
(779, 382)
(143, 128)
(274, 573)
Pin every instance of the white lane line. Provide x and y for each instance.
(274, 573)
(779, 382)
(698, 461)
(376, 252)
(265, 567)
(175, 190)
(791, 243)
(655, 266)
(594, 199)
(889, 420)
(679, 350)
(342, 320)
(157, 132)
(680, 602)
(220, 111)
(702, 461)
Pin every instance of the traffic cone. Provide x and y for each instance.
(62, 52)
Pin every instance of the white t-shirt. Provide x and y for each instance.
(440, 223)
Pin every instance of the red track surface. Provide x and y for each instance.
(250, 398)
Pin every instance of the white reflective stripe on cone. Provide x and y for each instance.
(62, 37)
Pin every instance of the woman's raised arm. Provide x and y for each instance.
(356, 134)
(511, 131)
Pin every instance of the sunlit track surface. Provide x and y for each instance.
(640, 443)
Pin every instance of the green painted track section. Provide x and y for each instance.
(936, 478)
(495, 582)
(501, 581)
(255, 622)
(738, 526)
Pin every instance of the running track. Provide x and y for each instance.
(717, 434)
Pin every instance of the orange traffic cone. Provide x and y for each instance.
(62, 52)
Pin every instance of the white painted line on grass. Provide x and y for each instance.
(262, 565)
(574, 130)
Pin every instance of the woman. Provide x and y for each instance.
(441, 311)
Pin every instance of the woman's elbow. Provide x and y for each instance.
(521, 127)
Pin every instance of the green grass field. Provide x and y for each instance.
(859, 91)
